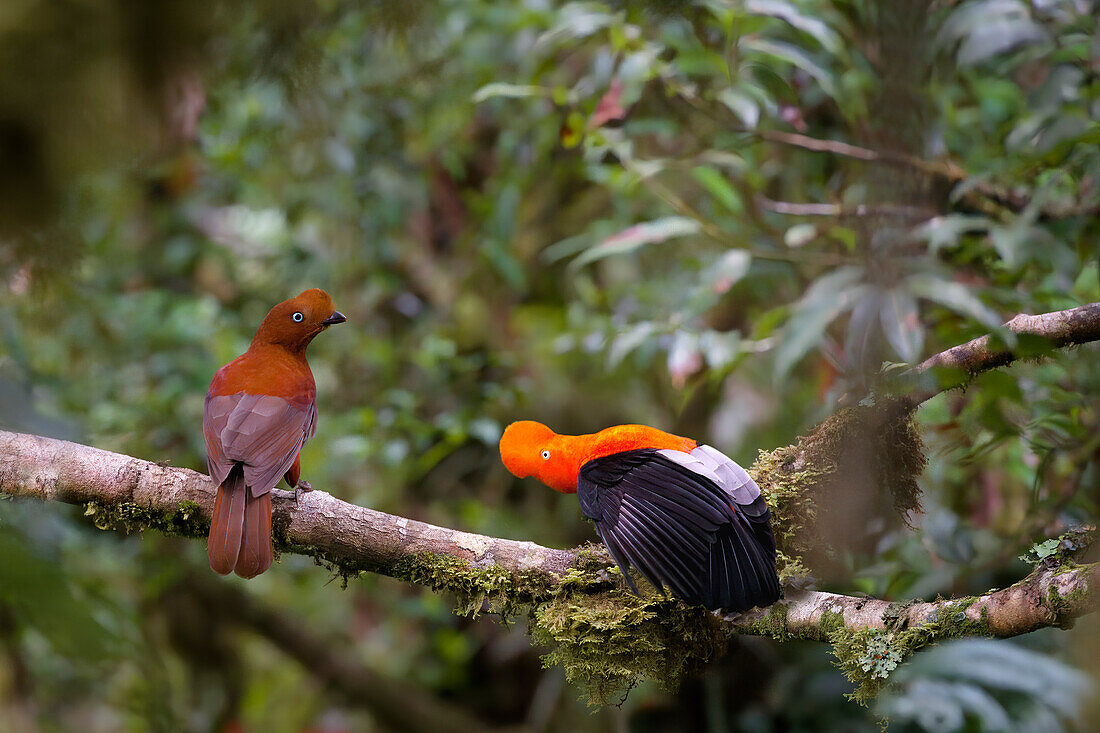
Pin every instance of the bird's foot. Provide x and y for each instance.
(301, 488)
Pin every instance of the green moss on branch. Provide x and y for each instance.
(609, 641)
(188, 519)
(605, 638)
(493, 587)
(869, 656)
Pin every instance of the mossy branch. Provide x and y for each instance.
(871, 637)
(604, 636)
(1033, 336)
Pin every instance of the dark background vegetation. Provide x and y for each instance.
(586, 214)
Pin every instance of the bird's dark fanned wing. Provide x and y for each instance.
(677, 523)
(262, 432)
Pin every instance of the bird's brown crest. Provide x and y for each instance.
(293, 323)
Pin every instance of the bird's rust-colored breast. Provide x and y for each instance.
(267, 372)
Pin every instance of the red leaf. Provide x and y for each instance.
(609, 107)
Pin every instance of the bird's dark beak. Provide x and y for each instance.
(336, 317)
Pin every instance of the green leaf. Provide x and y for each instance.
(1040, 551)
(637, 236)
(829, 297)
(717, 186)
(794, 56)
(800, 235)
(728, 270)
(627, 341)
(988, 28)
(512, 91)
(815, 27)
(954, 296)
(745, 107)
(720, 349)
(577, 20)
(565, 248)
(937, 705)
(987, 685)
(901, 324)
(944, 231)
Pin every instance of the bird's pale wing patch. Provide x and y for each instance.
(719, 468)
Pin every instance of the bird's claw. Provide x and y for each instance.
(301, 488)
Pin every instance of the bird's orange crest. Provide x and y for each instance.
(529, 448)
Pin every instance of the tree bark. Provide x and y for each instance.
(356, 537)
(1040, 333)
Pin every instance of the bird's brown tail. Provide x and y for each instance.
(256, 544)
(240, 529)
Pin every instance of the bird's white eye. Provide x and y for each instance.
(298, 317)
(546, 455)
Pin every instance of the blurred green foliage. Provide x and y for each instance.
(719, 217)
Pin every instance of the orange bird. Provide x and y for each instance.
(260, 410)
(684, 514)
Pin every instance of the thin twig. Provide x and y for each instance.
(711, 230)
(946, 169)
(836, 210)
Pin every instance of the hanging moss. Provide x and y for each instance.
(867, 656)
(607, 642)
(879, 432)
(875, 443)
(899, 449)
(340, 567)
(790, 496)
(187, 520)
(605, 638)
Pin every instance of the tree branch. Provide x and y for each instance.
(120, 489)
(1036, 335)
(947, 169)
(1046, 597)
(836, 210)
(321, 525)
(983, 195)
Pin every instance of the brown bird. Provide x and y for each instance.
(260, 410)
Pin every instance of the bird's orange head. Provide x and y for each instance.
(529, 448)
(293, 323)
